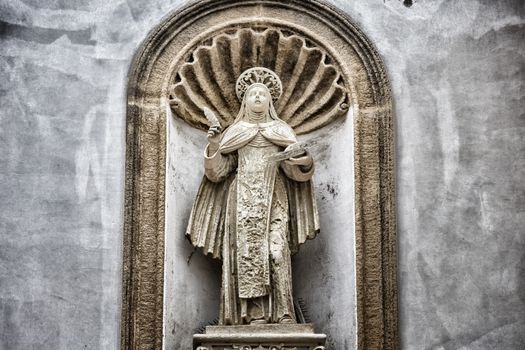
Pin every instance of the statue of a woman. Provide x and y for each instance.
(254, 210)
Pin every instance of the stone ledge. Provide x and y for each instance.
(260, 337)
(303, 328)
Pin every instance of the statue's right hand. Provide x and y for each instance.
(214, 135)
(214, 132)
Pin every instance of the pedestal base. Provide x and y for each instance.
(260, 337)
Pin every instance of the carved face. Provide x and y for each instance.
(258, 98)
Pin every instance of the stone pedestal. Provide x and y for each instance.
(260, 337)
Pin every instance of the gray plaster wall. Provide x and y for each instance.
(191, 280)
(457, 72)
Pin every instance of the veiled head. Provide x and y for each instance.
(258, 88)
(258, 98)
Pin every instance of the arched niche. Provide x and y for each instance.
(155, 97)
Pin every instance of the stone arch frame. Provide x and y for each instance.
(375, 225)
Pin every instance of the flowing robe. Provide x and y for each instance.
(253, 213)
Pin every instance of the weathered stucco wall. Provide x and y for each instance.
(457, 70)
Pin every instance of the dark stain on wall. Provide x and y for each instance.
(408, 3)
(45, 35)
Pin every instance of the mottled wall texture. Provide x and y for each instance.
(457, 70)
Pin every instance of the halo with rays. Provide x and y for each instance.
(259, 75)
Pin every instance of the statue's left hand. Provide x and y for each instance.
(304, 160)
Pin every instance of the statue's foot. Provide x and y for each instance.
(258, 321)
(286, 320)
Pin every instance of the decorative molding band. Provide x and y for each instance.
(151, 92)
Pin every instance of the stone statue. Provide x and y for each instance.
(255, 204)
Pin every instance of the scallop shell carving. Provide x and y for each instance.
(314, 93)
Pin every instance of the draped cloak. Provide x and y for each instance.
(236, 195)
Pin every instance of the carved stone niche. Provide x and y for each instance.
(335, 92)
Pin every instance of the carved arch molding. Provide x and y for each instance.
(196, 53)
